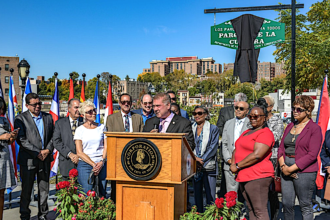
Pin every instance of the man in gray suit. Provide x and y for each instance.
(35, 134)
(63, 138)
(231, 132)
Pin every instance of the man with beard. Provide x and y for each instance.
(146, 110)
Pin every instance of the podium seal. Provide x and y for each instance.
(141, 159)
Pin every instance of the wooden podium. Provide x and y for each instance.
(164, 197)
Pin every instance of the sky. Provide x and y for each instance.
(120, 37)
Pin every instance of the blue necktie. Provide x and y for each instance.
(126, 123)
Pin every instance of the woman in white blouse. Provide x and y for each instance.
(91, 149)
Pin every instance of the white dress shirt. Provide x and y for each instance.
(238, 128)
(129, 119)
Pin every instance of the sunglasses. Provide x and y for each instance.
(125, 102)
(254, 117)
(146, 103)
(174, 99)
(197, 113)
(35, 104)
(240, 108)
(298, 110)
(90, 112)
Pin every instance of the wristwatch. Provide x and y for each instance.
(237, 166)
(104, 160)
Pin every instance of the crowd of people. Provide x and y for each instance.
(253, 145)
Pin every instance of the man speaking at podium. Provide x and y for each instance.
(168, 122)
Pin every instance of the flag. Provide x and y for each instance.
(27, 91)
(12, 109)
(97, 103)
(82, 94)
(71, 95)
(55, 112)
(108, 107)
(1, 91)
(323, 116)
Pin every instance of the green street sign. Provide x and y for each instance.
(271, 32)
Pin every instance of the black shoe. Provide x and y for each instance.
(42, 218)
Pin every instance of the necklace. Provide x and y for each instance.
(294, 130)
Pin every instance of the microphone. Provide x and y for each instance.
(156, 124)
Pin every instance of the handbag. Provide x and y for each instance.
(277, 179)
(94, 181)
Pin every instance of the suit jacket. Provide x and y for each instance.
(63, 142)
(140, 112)
(210, 144)
(308, 145)
(225, 114)
(177, 125)
(29, 139)
(115, 122)
(228, 137)
(184, 113)
(325, 152)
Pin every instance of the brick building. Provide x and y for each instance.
(6, 63)
(191, 65)
(266, 70)
(132, 87)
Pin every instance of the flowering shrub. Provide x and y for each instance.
(222, 209)
(74, 206)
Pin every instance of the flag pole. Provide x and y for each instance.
(98, 85)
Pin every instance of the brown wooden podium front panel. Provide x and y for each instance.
(164, 147)
(145, 202)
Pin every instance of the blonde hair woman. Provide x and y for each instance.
(91, 149)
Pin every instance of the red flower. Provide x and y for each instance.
(93, 193)
(80, 195)
(54, 209)
(232, 195)
(102, 198)
(66, 184)
(81, 204)
(231, 203)
(73, 173)
(89, 192)
(219, 203)
(244, 219)
(60, 210)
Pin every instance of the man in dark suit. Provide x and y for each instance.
(123, 121)
(167, 121)
(183, 112)
(146, 110)
(226, 114)
(63, 138)
(35, 134)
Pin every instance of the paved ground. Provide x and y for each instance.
(13, 213)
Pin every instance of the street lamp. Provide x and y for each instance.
(23, 71)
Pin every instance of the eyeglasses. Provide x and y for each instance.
(125, 102)
(35, 104)
(146, 103)
(254, 117)
(197, 113)
(174, 99)
(90, 112)
(240, 108)
(298, 110)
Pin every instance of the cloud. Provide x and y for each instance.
(159, 30)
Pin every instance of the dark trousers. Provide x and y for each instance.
(255, 193)
(223, 187)
(208, 181)
(28, 177)
(274, 203)
(302, 187)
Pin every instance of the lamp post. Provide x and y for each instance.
(23, 71)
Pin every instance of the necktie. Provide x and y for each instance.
(162, 127)
(73, 128)
(126, 123)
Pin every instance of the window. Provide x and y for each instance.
(177, 66)
(215, 68)
(6, 79)
(152, 67)
(6, 67)
(6, 91)
(190, 68)
(181, 66)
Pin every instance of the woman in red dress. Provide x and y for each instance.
(251, 162)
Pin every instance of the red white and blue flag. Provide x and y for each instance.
(12, 112)
(323, 116)
(108, 107)
(55, 112)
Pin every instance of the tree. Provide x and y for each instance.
(312, 43)
(127, 78)
(90, 90)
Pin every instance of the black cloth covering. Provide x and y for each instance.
(246, 61)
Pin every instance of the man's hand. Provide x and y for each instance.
(154, 131)
(229, 161)
(43, 154)
(14, 133)
(6, 136)
(74, 158)
(200, 160)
